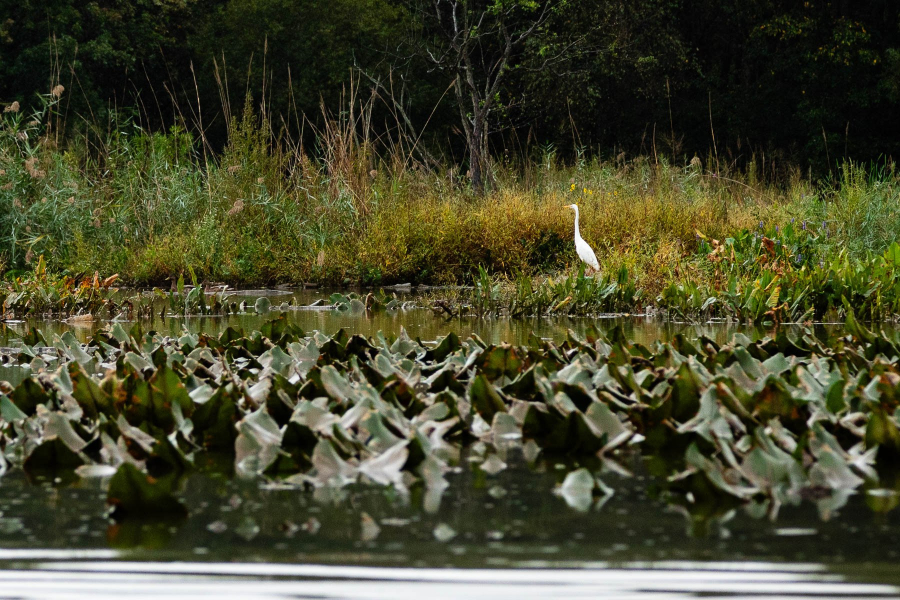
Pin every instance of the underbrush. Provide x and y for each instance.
(154, 207)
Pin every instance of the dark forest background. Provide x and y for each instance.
(806, 83)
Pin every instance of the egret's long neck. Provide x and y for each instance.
(577, 233)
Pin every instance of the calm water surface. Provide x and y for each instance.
(420, 323)
(488, 535)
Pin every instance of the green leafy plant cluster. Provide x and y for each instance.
(193, 301)
(786, 279)
(527, 296)
(769, 422)
(41, 293)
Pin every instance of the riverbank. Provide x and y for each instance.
(689, 239)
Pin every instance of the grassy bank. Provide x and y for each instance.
(151, 207)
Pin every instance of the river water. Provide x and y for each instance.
(498, 534)
(418, 322)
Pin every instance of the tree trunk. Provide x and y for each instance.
(476, 155)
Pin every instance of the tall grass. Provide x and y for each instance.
(152, 205)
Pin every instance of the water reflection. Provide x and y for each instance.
(251, 538)
(504, 519)
(254, 538)
(243, 580)
(420, 323)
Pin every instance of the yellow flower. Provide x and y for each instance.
(572, 189)
(584, 190)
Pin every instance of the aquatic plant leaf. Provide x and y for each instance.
(485, 399)
(330, 468)
(59, 426)
(299, 441)
(608, 424)
(577, 489)
(575, 435)
(882, 431)
(167, 389)
(139, 442)
(403, 345)
(833, 472)
(28, 395)
(505, 428)
(385, 468)
(74, 348)
(119, 334)
(167, 459)
(138, 362)
(715, 473)
(88, 394)
(357, 307)
(335, 384)
(214, 420)
(892, 254)
(856, 329)
(685, 394)
(447, 346)
(9, 412)
(380, 436)
(262, 305)
(53, 454)
(275, 329)
(133, 494)
(501, 361)
(258, 443)
(276, 359)
(304, 356)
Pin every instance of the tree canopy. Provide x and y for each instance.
(803, 81)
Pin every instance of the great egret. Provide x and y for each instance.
(581, 247)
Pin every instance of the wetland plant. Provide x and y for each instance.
(767, 422)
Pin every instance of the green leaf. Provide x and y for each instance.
(167, 389)
(214, 420)
(485, 399)
(9, 411)
(501, 361)
(88, 394)
(52, 454)
(133, 494)
(883, 431)
(28, 395)
(258, 443)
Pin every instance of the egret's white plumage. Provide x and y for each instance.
(581, 247)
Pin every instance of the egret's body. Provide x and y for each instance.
(584, 251)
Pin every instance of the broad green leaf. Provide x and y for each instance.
(133, 494)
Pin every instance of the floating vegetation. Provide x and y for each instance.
(184, 301)
(371, 302)
(573, 295)
(768, 423)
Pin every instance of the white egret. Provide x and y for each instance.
(581, 247)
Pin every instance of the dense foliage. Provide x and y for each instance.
(770, 422)
(817, 80)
